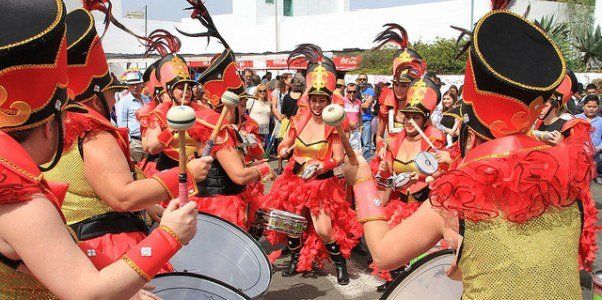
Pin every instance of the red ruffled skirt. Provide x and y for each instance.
(114, 246)
(232, 208)
(293, 194)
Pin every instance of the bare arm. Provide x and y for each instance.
(150, 140)
(366, 104)
(35, 231)
(234, 167)
(275, 111)
(108, 172)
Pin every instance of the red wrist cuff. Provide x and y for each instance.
(148, 257)
(368, 206)
(165, 137)
(265, 172)
(329, 165)
(169, 179)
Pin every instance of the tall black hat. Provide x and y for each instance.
(513, 67)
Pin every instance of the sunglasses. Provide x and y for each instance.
(262, 91)
(351, 92)
(362, 79)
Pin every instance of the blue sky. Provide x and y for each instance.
(173, 9)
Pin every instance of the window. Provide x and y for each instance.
(269, 1)
(287, 9)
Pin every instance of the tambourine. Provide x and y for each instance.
(426, 163)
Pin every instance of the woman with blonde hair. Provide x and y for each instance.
(260, 109)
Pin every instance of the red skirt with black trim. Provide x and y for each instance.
(296, 195)
(232, 208)
(254, 195)
(115, 245)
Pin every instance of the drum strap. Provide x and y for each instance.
(112, 222)
(13, 264)
(461, 232)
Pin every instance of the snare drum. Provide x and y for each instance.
(426, 279)
(281, 221)
(184, 286)
(426, 163)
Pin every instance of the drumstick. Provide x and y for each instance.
(423, 135)
(333, 115)
(230, 100)
(182, 118)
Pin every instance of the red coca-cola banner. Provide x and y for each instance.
(244, 64)
(199, 64)
(347, 63)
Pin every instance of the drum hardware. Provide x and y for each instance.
(596, 284)
(281, 221)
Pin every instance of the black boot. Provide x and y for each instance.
(339, 262)
(294, 247)
(394, 274)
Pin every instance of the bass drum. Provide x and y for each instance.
(426, 279)
(184, 286)
(223, 251)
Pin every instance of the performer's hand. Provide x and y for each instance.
(155, 212)
(284, 152)
(199, 167)
(353, 173)
(181, 220)
(382, 166)
(443, 157)
(554, 138)
(145, 295)
(382, 153)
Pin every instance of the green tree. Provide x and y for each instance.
(439, 55)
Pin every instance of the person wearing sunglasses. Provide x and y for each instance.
(353, 109)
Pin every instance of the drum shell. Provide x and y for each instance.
(439, 286)
(179, 285)
(281, 221)
(223, 251)
(596, 284)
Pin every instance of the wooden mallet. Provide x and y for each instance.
(334, 115)
(181, 118)
(230, 101)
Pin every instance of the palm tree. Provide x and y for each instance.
(590, 46)
(558, 32)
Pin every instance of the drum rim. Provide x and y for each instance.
(422, 170)
(187, 274)
(251, 238)
(415, 266)
(267, 212)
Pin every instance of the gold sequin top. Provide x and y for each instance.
(403, 167)
(536, 260)
(313, 151)
(80, 202)
(17, 285)
(191, 147)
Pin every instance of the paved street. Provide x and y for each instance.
(363, 285)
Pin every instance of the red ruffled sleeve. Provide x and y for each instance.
(77, 125)
(523, 184)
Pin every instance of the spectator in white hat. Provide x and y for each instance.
(126, 109)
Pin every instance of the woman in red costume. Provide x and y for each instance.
(223, 192)
(407, 187)
(308, 186)
(38, 256)
(519, 212)
(104, 202)
(407, 66)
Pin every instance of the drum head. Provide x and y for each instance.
(225, 252)
(426, 279)
(426, 163)
(193, 286)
